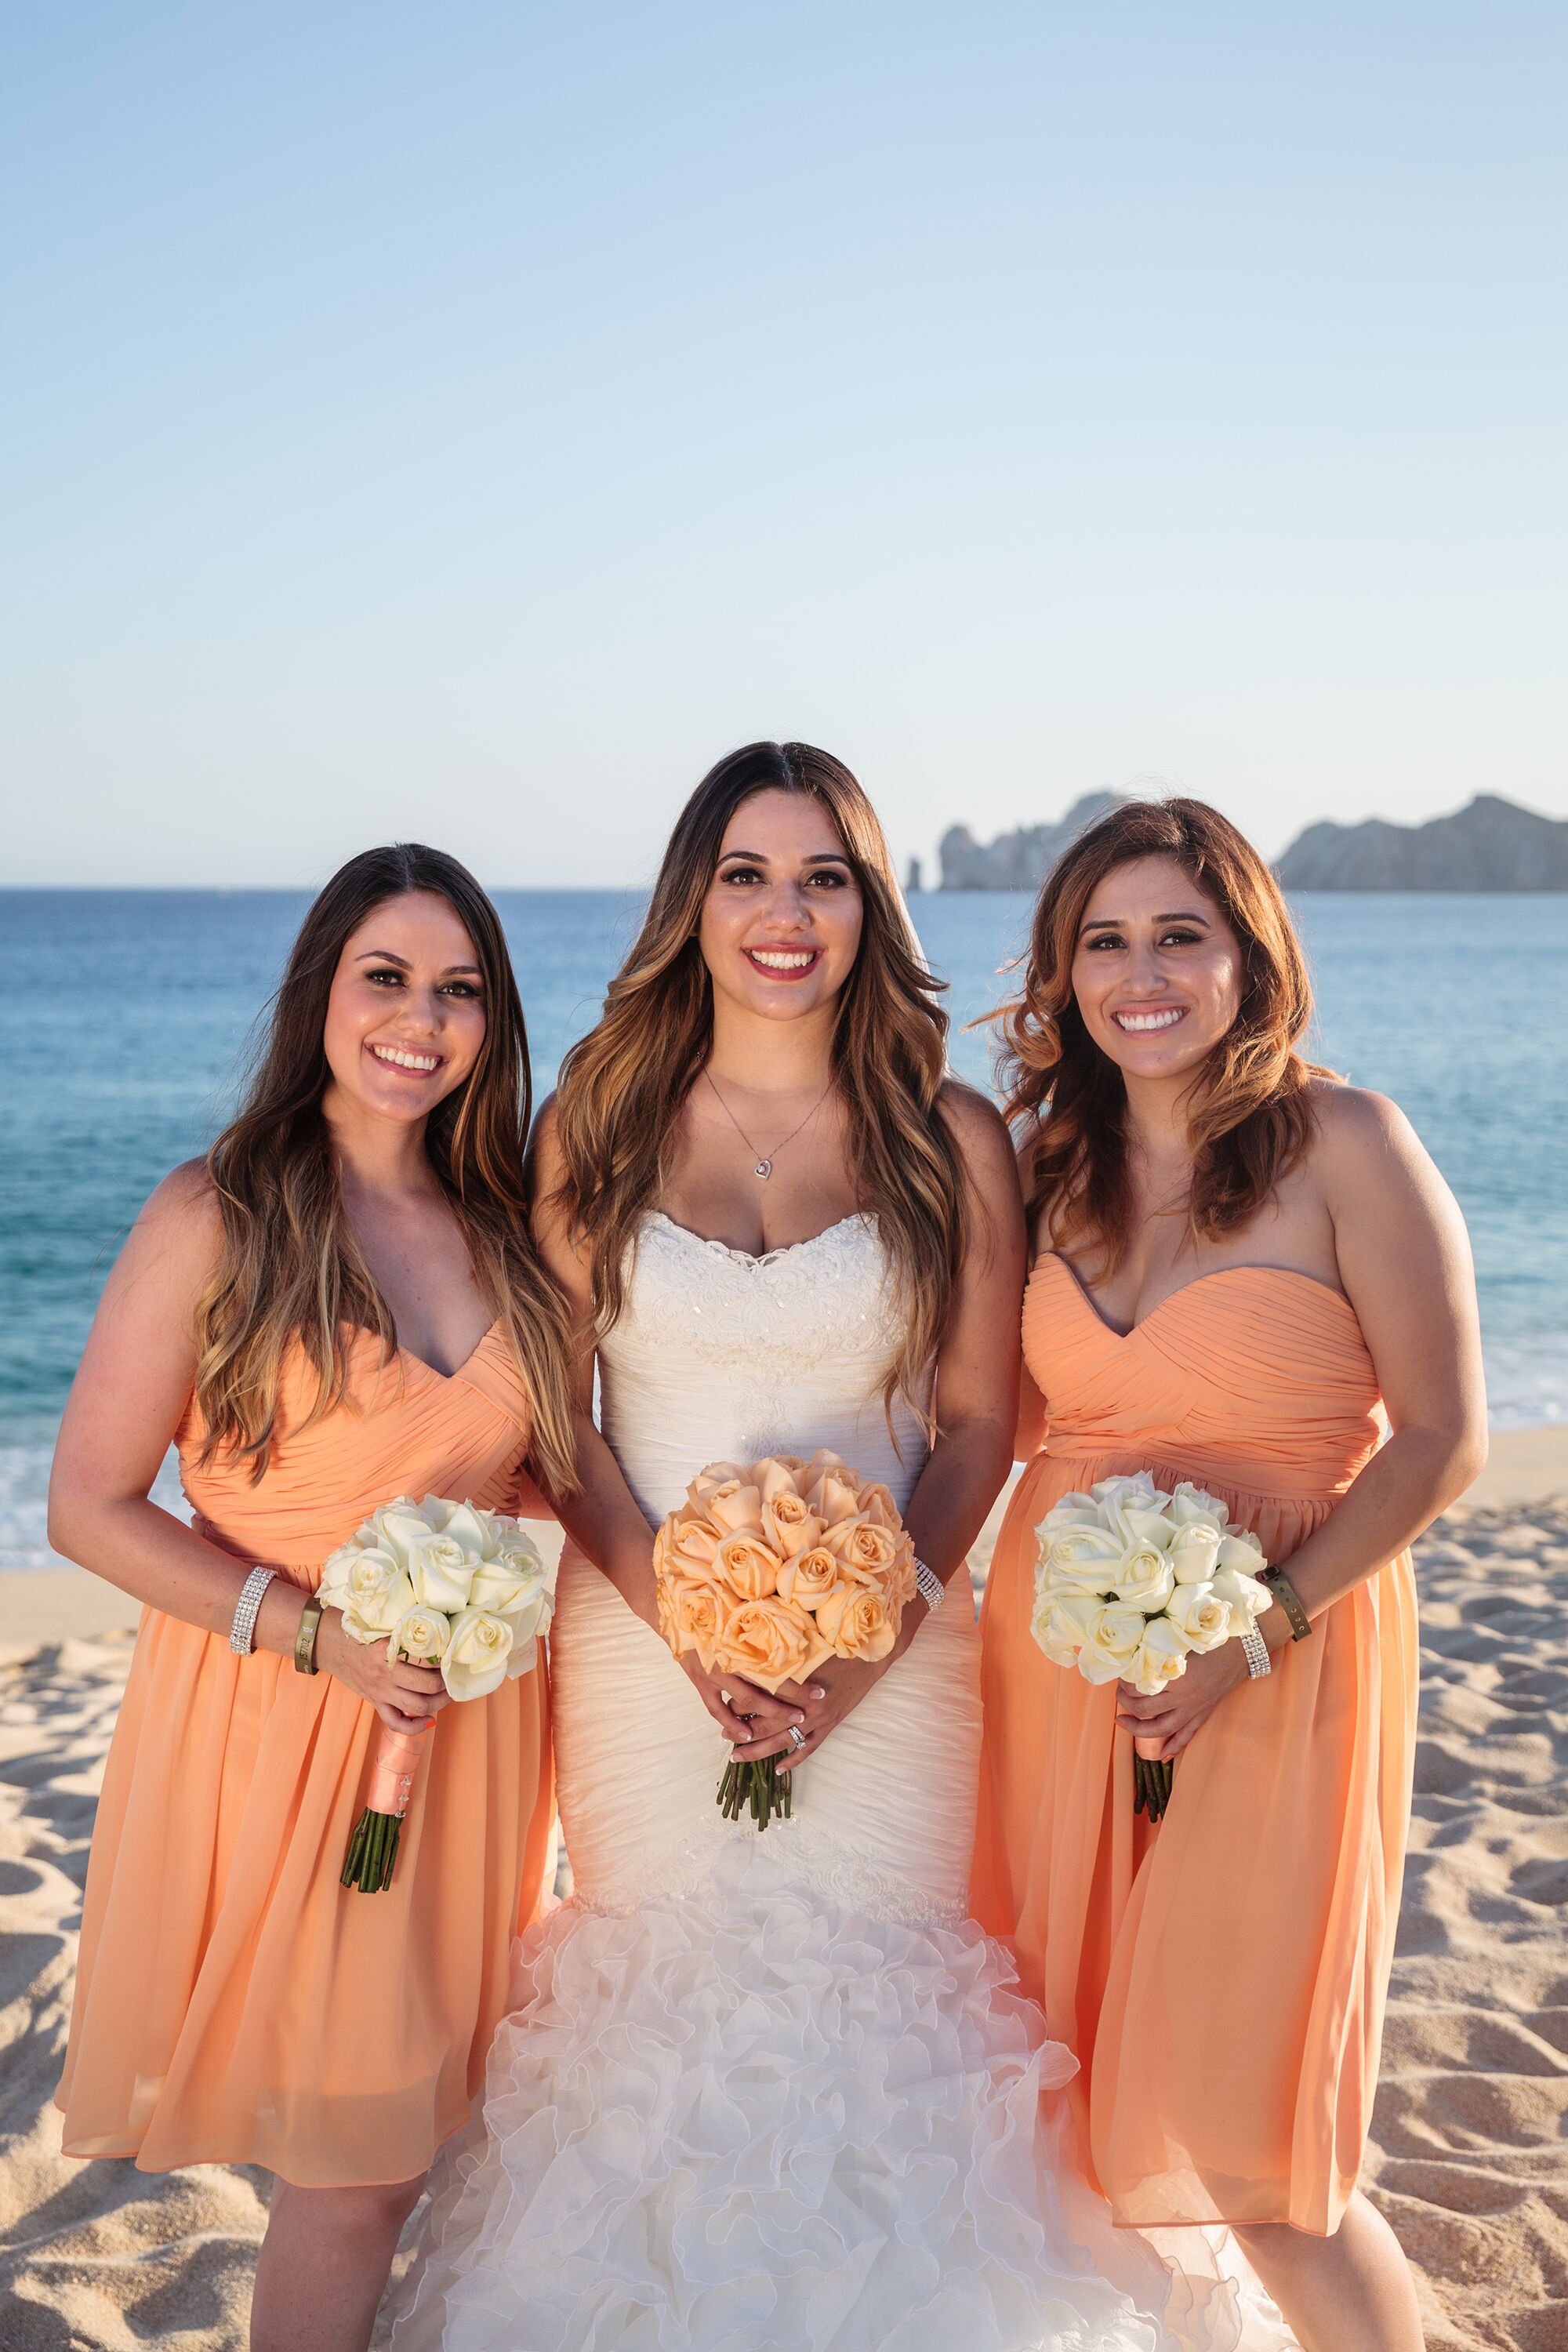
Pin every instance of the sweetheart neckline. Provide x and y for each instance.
(421, 1363)
(761, 1257)
(1214, 1274)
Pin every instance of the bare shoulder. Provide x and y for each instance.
(544, 1160)
(978, 1129)
(178, 1238)
(182, 1216)
(1358, 1131)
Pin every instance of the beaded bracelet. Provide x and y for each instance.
(928, 1585)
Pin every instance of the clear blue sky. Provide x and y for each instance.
(467, 421)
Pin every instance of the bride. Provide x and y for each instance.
(775, 2092)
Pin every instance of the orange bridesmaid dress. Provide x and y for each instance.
(233, 2003)
(1221, 1979)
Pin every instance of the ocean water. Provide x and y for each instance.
(127, 1017)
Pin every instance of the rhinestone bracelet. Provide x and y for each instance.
(246, 1608)
(928, 1585)
(1255, 1649)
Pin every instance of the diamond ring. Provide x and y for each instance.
(796, 1736)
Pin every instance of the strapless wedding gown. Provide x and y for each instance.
(768, 2092)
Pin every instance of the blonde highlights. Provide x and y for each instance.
(622, 1087)
(1249, 1109)
(290, 1273)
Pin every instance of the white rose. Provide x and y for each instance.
(1194, 1553)
(1062, 1622)
(1190, 1502)
(420, 1635)
(1242, 1552)
(1140, 1488)
(1072, 1511)
(1082, 1560)
(1245, 1597)
(1161, 1656)
(442, 1572)
(476, 1530)
(1143, 1578)
(477, 1653)
(517, 1587)
(400, 1528)
(1140, 1523)
(1114, 1643)
(1201, 1614)
(374, 1596)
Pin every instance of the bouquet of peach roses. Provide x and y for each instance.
(442, 1584)
(771, 1568)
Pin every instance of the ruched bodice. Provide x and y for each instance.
(1257, 1377)
(405, 1429)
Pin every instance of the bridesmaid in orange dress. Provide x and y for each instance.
(340, 1306)
(1245, 1272)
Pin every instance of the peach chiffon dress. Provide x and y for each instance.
(1221, 1977)
(234, 2004)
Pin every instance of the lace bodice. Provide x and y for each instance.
(722, 1356)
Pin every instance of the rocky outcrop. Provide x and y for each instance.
(1492, 844)
(1016, 861)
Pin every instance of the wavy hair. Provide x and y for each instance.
(290, 1270)
(622, 1087)
(1249, 1107)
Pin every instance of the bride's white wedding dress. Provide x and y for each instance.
(770, 2092)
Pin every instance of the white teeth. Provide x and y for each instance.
(783, 962)
(406, 1061)
(1147, 1020)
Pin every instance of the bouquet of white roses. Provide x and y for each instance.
(446, 1585)
(1130, 1582)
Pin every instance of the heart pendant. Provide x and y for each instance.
(765, 1168)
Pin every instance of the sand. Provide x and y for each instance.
(1468, 2157)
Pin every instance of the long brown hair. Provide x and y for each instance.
(1250, 1110)
(622, 1087)
(290, 1270)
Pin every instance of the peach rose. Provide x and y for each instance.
(857, 1623)
(773, 1476)
(736, 1507)
(787, 1524)
(809, 1576)
(765, 1642)
(867, 1551)
(748, 1566)
(877, 1506)
(833, 1499)
(694, 1542)
(692, 1617)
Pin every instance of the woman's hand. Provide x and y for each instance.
(406, 1697)
(743, 1712)
(1174, 1715)
(816, 1707)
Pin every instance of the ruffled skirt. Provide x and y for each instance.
(750, 2116)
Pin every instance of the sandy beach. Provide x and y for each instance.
(1468, 2158)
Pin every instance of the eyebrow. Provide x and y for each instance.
(818, 857)
(385, 955)
(1119, 922)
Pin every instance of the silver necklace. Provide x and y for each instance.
(765, 1159)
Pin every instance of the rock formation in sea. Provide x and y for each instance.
(1016, 861)
(1492, 844)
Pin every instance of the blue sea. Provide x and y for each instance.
(127, 1016)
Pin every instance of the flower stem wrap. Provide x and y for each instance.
(373, 1848)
